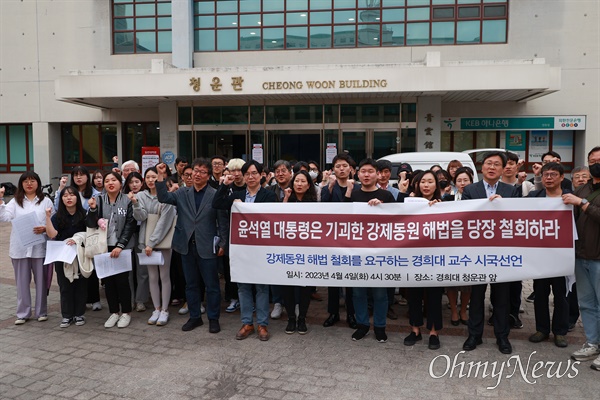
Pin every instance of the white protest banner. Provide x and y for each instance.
(389, 245)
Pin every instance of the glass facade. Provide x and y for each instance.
(232, 25)
(16, 148)
(141, 26)
(92, 145)
(138, 135)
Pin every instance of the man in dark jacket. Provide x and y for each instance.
(586, 202)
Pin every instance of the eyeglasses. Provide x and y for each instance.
(281, 171)
(217, 164)
(253, 173)
(490, 164)
(189, 175)
(200, 172)
(552, 175)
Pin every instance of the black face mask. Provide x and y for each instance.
(595, 170)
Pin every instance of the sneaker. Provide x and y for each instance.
(202, 308)
(97, 306)
(184, 309)
(302, 328)
(380, 334)
(124, 321)
(140, 307)
(587, 352)
(112, 320)
(434, 342)
(154, 317)
(360, 332)
(413, 338)
(291, 326)
(233, 306)
(42, 318)
(80, 321)
(277, 310)
(596, 364)
(20, 321)
(530, 298)
(163, 318)
(65, 322)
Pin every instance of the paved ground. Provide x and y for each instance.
(39, 360)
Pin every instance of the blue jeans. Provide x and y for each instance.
(380, 306)
(587, 273)
(195, 268)
(247, 303)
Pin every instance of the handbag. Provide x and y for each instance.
(167, 241)
(95, 242)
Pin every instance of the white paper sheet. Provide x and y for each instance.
(59, 251)
(24, 225)
(155, 258)
(107, 266)
(415, 200)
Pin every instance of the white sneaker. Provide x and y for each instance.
(163, 318)
(65, 322)
(140, 307)
(112, 320)
(233, 306)
(184, 309)
(587, 352)
(43, 318)
(277, 310)
(154, 317)
(202, 309)
(596, 364)
(97, 306)
(124, 321)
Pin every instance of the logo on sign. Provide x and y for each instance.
(168, 157)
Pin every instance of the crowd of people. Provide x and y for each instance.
(193, 203)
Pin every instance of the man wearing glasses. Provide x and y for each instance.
(490, 188)
(552, 176)
(218, 166)
(198, 223)
(223, 200)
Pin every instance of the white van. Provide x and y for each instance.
(424, 160)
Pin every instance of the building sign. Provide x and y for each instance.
(150, 157)
(515, 123)
(257, 152)
(406, 245)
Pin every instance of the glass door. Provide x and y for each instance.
(354, 142)
(299, 145)
(385, 143)
(229, 144)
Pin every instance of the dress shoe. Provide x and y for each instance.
(538, 337)
(263, 333)
(455, 323)
(434, 342)
(245, 331)
(472, 342)
(464, 321)
(214, 326)
(351, 321)
(192, 323)
(515, 322)
(560, 341)
(504, 346)
(331, 320)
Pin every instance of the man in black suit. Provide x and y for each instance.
(490, 188)
(223, 200)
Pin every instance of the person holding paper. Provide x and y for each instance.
(68, 220)
(28, 259)
(145, 203)
(116, 208)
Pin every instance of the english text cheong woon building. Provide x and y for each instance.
(82, 81)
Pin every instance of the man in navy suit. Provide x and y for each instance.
(198, 223)
(490, 188)
(223, 200)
